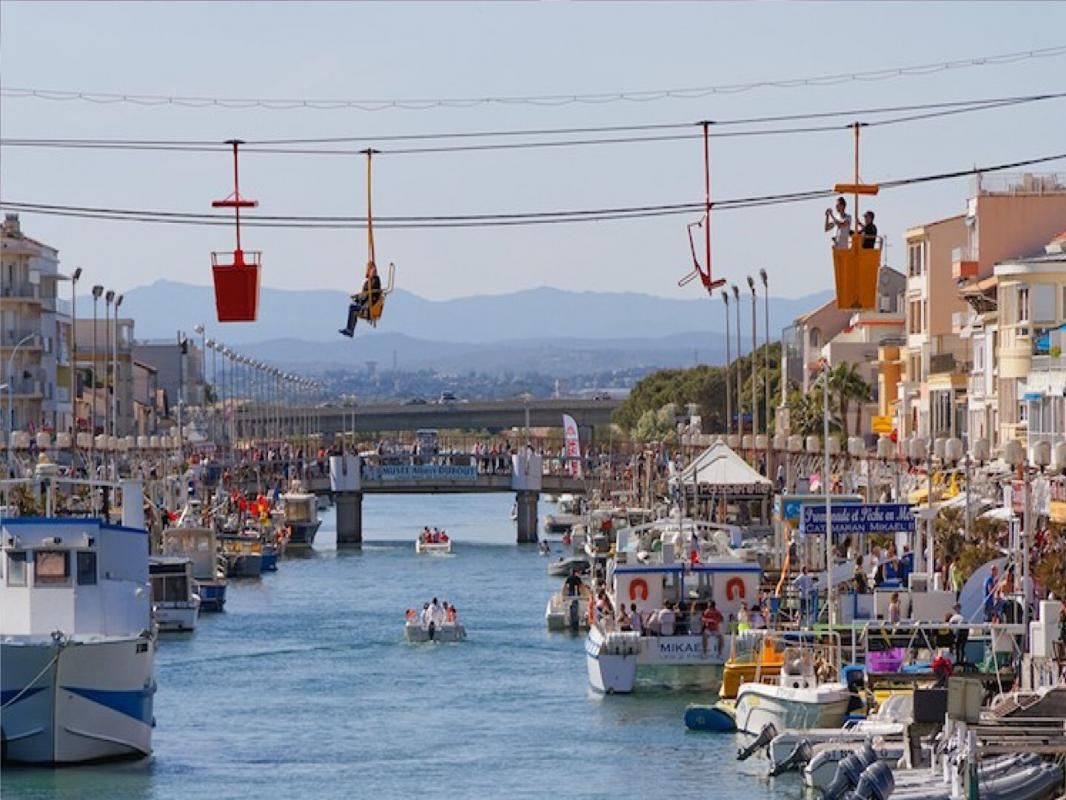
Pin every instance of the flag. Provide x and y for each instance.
(573, 446)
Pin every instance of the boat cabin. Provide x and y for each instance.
(171, 577)
(73, 575)
(300, 507)
(199, 545)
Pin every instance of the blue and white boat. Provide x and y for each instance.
(175, 603)
(301, 517)
(200, 546)
(77, 647)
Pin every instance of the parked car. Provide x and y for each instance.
(415, 401)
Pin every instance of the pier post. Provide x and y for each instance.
(527, 517)
(349, 518)
(345, 481)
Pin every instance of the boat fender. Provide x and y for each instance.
(848, 773)
(801, 755)
(877, 783)
(766, 735)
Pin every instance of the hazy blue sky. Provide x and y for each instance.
(439, 49)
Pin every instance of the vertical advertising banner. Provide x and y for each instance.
(573, 446)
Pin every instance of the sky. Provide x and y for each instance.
(397, 50)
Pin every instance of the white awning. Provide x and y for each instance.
(720, 470)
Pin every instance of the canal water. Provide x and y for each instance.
(304, 687)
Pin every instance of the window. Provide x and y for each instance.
(816, 337)
(16, 568)
(914, 259)
(1043, 295)
(86, 569)
(50, 567)
(1023, 304)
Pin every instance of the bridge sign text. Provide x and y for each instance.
(420, 472)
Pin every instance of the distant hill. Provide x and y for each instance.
(162, 308)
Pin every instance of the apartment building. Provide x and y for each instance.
(1007, 217)
(34, 334)
(104, 358)
(1031, 378)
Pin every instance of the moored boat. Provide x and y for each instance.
(77, 647)
(200, 546)
(175, 603)
(243, 553)
(301, 517)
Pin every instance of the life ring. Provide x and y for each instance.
(733, 587)
(642, 585)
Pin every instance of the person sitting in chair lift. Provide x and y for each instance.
(363, 302)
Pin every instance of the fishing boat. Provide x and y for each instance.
(200, 546)
(437, 542)
(664, 653)
(243, 553)
(301, 517)
(175, 603)
(797, 700)
(77, 647)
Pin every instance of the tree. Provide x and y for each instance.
(656, 426)
(846, 384)
(806, 413)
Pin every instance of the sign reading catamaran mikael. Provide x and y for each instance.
(859, 518)
(76, 642)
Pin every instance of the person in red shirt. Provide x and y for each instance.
(711, 620)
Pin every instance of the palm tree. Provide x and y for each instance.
(847, 385)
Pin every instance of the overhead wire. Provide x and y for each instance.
(486, 220)
(548, 100)
(925, 111)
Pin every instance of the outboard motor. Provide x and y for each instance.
(877, 783)
(574, 615)
(766, 735)
(854, 677)
(801, 754)
(432, 630)
(847, 776)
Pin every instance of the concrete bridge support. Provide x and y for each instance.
(349, 518)
(345, 481)
(527, 517)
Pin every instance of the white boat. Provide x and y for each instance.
(568, 611)
(414, 631)
(301, 516)
(565, 518)
(796, 700)
(439, 547)
(200, 545)
(175, 603)
(77, 648)
(618, 661)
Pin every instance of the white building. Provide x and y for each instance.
(35, 334)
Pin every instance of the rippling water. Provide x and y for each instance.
(304, 687)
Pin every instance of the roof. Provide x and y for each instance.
(718, 465)
(915, 230)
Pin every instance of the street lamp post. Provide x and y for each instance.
(754, 381)
(74, 278)
(740, 395)
(115, 369)
(97, 291)
(766, 361)
(109, 297)
(728, 368)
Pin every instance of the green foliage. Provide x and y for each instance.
(705, 386)
(657, 426)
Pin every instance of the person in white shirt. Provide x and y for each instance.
(840, 223)
(803, 585)
(635, 622)
(666, 620)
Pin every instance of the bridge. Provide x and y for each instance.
(350, 478)
(491, 415)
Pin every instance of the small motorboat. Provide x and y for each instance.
(568, 608)
(175, 603)
(442, 627)
(433, 542)
(568, 566)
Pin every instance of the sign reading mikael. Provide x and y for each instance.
(421, 472)
(859, 518)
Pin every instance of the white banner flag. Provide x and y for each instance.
(573, 446)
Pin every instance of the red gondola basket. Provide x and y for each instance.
(236, 277)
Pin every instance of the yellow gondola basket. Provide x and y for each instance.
(856, 271)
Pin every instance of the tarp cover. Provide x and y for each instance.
(719, 470)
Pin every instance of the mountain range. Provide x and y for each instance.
(550, 330)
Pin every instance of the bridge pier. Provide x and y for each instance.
(345, 480)
(526, 523)
(349, 518)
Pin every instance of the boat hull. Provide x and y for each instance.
(567, 613)
(758, 705)
(622, 662)
(438, 548)
(77, 702)
(212, 595)
(270, 561)
(302, 534)
(177, 616)
(719, 718)
(245, 565)
(413, 632)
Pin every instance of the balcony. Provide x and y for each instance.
(21, 291)
(1048, 364)
(963, 264)
(27, 388)
(11, 338)
(942, 363)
